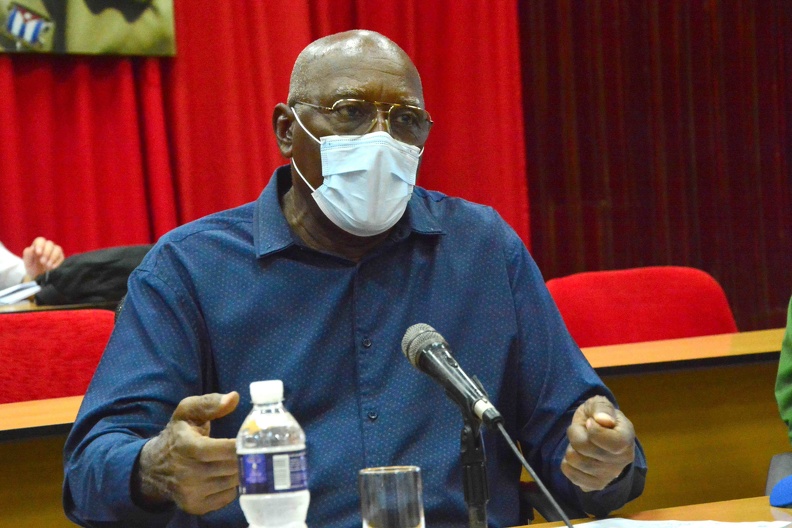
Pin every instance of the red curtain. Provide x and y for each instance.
(103, 151)
(660, 132)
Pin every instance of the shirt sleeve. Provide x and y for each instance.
(783, 387)
(12, 268)
(557, 378)
(132, 395)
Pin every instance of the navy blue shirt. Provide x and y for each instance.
(236, 297)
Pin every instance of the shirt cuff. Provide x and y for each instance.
(627, 486)
(123, 460)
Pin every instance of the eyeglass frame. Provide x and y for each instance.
(377, 105)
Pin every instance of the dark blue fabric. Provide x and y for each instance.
(235, 297)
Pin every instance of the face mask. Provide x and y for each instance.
(368, 180)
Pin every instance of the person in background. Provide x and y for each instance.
(315, 284)
(783, 387)
(41, 256)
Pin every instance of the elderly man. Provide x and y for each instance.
(315, 284)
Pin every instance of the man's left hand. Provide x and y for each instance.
(601, 444)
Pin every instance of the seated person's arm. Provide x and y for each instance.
(783, 387)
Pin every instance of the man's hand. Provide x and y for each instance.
(183, 465)
(601, 444)
(41, 256)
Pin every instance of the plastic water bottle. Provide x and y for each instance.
(273, 475)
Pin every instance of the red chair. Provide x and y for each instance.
(50, 354)
(641, 304)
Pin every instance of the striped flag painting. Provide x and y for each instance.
(26, 26)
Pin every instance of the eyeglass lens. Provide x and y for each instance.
(407, 124)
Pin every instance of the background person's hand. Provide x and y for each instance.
(601, 444)
(41, 256)
(184, 466)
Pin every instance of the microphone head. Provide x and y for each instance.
(418, 337)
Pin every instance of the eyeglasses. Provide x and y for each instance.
(406, 123)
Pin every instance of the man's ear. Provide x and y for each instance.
(282, 124)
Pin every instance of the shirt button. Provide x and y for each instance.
(367, 343)
(373, 415)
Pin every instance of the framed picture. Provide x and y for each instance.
(112, 27)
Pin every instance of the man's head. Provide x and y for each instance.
(354, 64)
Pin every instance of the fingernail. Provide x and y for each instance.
(225, 399)
(589, 423)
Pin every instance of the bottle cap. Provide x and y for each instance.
(270, 391)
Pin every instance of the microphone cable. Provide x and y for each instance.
(534, 475)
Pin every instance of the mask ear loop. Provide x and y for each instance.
(293, 162)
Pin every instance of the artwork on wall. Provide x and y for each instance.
(106, 27)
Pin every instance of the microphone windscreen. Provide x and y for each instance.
(416, 338)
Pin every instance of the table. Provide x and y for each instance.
(32, 435)
(38, 418)
(29, 306)
(738, 510)
(686, 352)
(704, 410)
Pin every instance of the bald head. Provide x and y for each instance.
(345, 50)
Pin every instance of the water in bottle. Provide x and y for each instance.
(273, 476)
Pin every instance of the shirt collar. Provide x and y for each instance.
(272, 232)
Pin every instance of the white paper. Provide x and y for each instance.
(629, 523)
(20, 292)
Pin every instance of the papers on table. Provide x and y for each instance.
(629, 523)
(20, 292)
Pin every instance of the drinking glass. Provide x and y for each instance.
(390, 497)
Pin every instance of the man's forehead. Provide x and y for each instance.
(365, 76)
(403, 96)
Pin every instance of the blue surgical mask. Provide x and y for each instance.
(367, 180)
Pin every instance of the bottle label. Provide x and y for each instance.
(272, 472)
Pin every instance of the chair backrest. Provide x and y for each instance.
(50, 354)
(641, 304)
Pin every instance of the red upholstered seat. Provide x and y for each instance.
(641, 304)
(50, 354)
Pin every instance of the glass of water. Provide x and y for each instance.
(391, 497)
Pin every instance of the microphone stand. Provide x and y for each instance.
(474, 471)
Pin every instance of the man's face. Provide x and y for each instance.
(373, 76)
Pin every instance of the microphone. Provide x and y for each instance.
(430, 353)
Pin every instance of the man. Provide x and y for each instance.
(315, 283)
(39, 257)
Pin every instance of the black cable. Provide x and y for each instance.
(534, 475)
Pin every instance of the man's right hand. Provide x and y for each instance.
(182, 465)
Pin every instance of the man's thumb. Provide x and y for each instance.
(201, 409)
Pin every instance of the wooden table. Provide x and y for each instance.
(721, 349)
(38, 418)
(738, 510)
(29, 306)
(704, 410)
